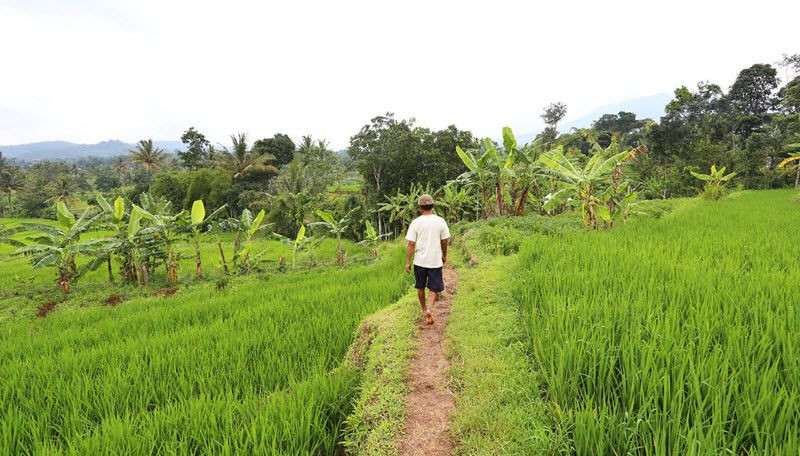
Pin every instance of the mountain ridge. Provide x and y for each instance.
(65, 150)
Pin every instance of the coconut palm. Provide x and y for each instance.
(794, 163)
(62, 189)
(148, 156)
(10, 179)
(239, 159)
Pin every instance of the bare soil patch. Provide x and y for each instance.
(48, 307)
(165, 292)
(113, 300)
(427, 426)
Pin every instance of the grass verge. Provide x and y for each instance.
(498, 406)
(382, 353)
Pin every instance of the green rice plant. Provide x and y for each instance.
(255, 370)
(674, 336)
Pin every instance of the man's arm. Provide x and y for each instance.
(444, 250)
(410, 253)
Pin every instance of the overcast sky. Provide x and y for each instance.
(91, 70)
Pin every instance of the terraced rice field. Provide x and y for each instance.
(252, 369)
(674, 336)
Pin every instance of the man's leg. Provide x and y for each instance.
(421, 295)
(435, 285)
(432, 295)
(421, 279)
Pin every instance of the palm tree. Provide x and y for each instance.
(62, 189)
(147, 155)
(10, 179)
(793, 157)
(239, 160)
(5, 167)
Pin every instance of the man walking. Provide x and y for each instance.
(427, 242)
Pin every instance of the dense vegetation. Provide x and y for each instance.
(673, 336)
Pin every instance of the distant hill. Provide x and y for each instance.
(62, 150)
(649, 107)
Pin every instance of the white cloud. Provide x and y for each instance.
(90, 70)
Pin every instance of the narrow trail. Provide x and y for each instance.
(428, 405)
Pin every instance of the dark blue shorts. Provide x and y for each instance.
(430, 278)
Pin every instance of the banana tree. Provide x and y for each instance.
(59, 245)
(582, 184)
(371, 237)
(160, 232)
(336, 228)
(402, 207)
(245, 227)
(504, 167)
(794, 163)
(480, 170)
(456, 201)
(526, 172)
(301, 243)
(715, 181)
(136, 268)
(113, 218)
(199, 222)
(619, 202)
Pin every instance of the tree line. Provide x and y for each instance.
(751, 129)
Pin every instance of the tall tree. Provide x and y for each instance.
(279, 146)
(196, 153)
(10, 179)
(551, 116)
(151, 158)
(752, 97)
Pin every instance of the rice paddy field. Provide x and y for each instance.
(255, 368)
(673, 336)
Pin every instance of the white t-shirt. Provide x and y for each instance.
(427, 232)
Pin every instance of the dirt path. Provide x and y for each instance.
(427, 426)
